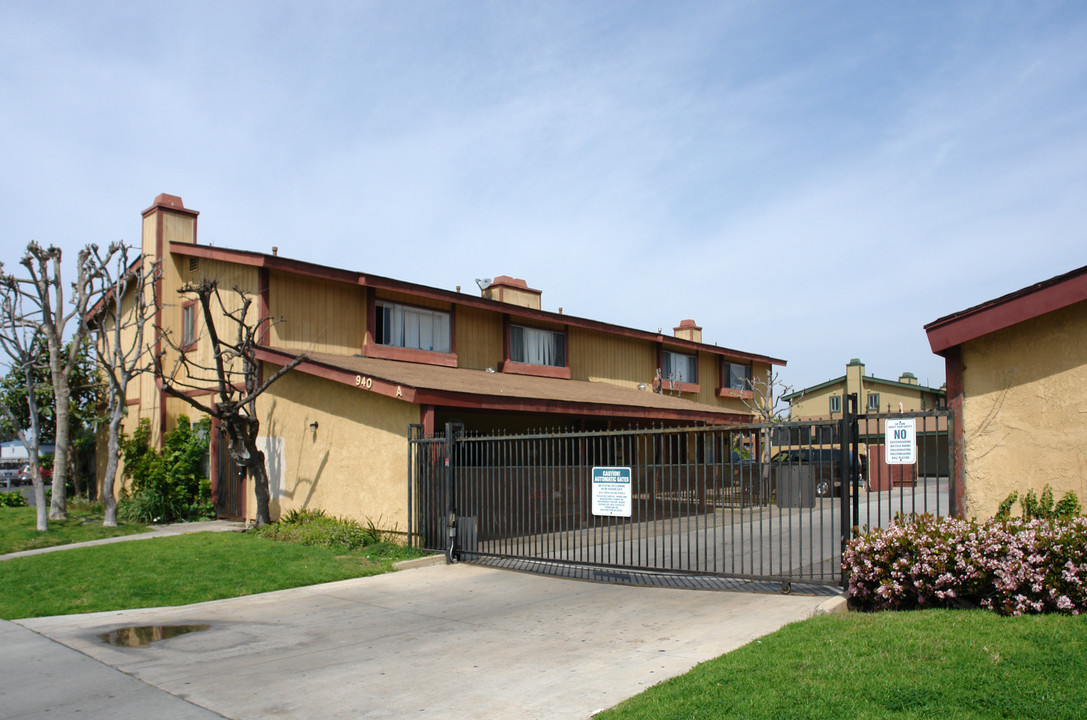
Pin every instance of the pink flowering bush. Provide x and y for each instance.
(1010, 566)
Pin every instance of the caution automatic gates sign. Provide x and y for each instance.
(611, 491)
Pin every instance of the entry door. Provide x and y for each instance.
(230, 492)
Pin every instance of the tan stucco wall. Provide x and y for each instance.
(354, 464)
(1025, 410)
(815, 404)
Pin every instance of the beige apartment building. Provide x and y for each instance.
(382, 355)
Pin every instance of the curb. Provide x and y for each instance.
(832, 606)
(420, 562)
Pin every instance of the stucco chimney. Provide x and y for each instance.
(688, 330)
(514, 291)
(167, 221)
(908, 378)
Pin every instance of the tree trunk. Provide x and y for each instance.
(77, 485)
(109, 498)
(58, 507)
(39, 497)
(242, 434)
(259, 473)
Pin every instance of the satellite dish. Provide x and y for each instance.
(483, 283)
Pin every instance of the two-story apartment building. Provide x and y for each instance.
(384, 354)
(875, 395)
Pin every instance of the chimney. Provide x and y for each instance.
(688, 330)
(514, 291)
(167, 221)
(908, 378)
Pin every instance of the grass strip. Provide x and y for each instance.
(18, 528)
(970, 665)
(179, 570)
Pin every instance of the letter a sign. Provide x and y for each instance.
(900, 439)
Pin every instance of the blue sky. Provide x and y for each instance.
(810, 181)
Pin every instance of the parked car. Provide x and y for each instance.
(824, 467)
(9, 472)
(24, 475)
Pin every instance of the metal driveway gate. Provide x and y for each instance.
(765, 502)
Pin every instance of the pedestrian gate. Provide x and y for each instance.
(698, 506)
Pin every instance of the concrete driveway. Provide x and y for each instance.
(456, 641)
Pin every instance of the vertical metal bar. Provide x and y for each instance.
(411, 482)
(451, 514)
(849, 409)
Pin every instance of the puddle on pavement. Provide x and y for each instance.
(144, 635)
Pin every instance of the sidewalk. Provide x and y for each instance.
(154, 531)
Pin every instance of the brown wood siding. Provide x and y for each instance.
(479, 339)
(709, 379)
(317, 315)
(615, 359)
(228, 276)
(413, 300)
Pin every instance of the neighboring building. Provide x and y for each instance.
(874, 395)
(1017, 386)
(385, 354)
(15, 450)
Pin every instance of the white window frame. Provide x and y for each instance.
(668, 367)
(536, 346)
(744, 383)
(413, 328)
(872, 402)
(188, 324)
(835, 404)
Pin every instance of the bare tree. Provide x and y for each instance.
(45, 289)
(20, 336)
(232, 375)
(765, 395)
(120, 317)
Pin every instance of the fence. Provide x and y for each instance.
(762, 502)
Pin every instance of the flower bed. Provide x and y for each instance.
(1013, 567)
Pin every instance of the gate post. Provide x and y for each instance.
(451, 506)
(846, 443)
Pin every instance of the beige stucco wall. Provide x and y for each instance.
(354, 464)
(1025, 410)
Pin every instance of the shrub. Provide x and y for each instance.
(1041, 507)
(169, 485)
(314, 527)
(12, 499)
(1010, 566)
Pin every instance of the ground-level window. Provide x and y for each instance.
(835, 403)
(411, 327)
(537, 347)
(873, 401)
(737, 376)
(679, 367)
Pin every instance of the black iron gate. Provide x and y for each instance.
(758, 503)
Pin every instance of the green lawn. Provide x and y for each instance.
(18, 529)
(966, 664)
(175, 571)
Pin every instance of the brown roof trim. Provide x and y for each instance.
(277, 262)
(107, 296)
(1011, 309)
(481, 401)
